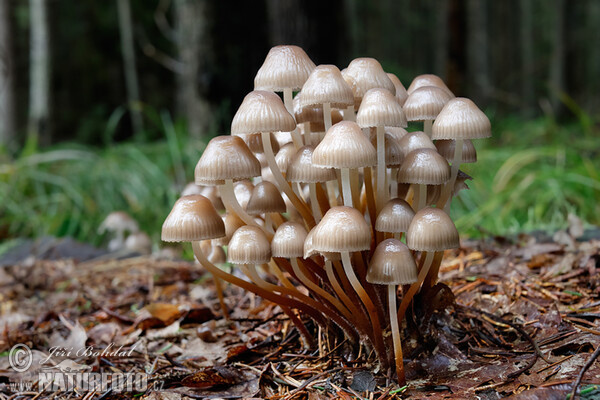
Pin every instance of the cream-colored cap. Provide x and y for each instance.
(341, 229)
(289, 240)
(262, 111)
(428, 80)
(401, 93)
(232, 223)
(424, 167)
(394, 217)
(416, 140)
(284, 67)
(364, 74)
(193, 218)
(326, 85)
(393, 149)
(344, 146)
(301, 168)
(392, 263)
(284, 156)
(380, 108)
(425, 103)
(446, 149)
(432, 230)
(461, 119)
(255, 144)
(243, 191)
(265, 199)
(226, 157)
(249, 245)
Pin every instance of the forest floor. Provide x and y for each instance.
(512, 296)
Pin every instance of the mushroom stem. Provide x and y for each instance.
(422, 197)
(282, 278)
(349, 113)
(364, 297)
(330, 186)
(446, 197)
(314, 203)
(408, 296)
(282, 183)
(288, 100)
(427, 127)
(219, 288)
(371, 206)
(268, 295)
(268, 222)
(327, 115)
(232, 205)
(355, 186)
(432, 275)
(396, 334)
(381, 169)
(393, 183)
(346, 187)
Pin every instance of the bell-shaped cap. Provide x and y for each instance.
(432, 230)
(288, 241)
(392, 263)
(393, 149)
(364, 74)
(425, 103)
(461, 119)
(446, 149)
(249, 245)
(341, 229)
(217, 255)
(243, 191)
(226, 157)
(345, 146)
(210, 192)
(232, 223)
(416, 140)
(401, 93)
(255, 144)
(262, 111)
(284, 67)
(313, 113)
(326, 85)
(301, 168)
(380, 108)
(284, 156)
(394, 217)
(424, 167)
(265, 198)
(192, 219)
(396, 131)
(428, 80)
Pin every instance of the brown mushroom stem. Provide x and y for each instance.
(219, 288)
(282, 183)
(346, 187)
(393, 183)
(331, 188)
(232, 205)
(446, 197)
(381, 169)
(279, 274)
(396, 334)
(414, 288)
(322, 198)
(428, 127)
(422, 197)
(314, 203)
(309, 302)
(364, 297)
(288, 100)
(371, 206)
(327, 115)
(268, 295)
(432, 275)
(355, 186)
(268, 223)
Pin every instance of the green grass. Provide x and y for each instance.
(530, 175)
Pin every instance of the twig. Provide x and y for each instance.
(583, 370)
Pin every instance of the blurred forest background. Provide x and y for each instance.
(106, 105)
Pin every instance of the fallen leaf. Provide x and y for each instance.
(210, 377)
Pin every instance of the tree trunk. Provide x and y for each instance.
(39, 70)
(8, 124)
(440, 58)
(557, 66)
(478, 75)
(194, 49)
(527, 57)
(128, 52)
(593, 59)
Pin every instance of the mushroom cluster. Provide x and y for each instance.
(325, 202)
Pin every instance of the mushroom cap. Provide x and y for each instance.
(255, 144)
(249, 245)
(284, 67)
(139, 242)
(424, 167)
(265, 198)
(380, 108)
(432, 230)
(428, 80)
(446, 149)
(303, 114)
(288, 241)
(392, 263)
(226, 157)
(192, 188)
(232, 223)
(217, 255)
(262, 111)
(301, 168)
(425, 103)
(416, 140)
(396, 131)
(345, 146)
(341, 229)
(364, 74)
(461, 119)
(401, 93)
(193, 218)
(394, 217)
(242, 191)
(393, 149)
(118, 221)
(284, 156)
(326, 85)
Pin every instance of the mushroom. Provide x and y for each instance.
(423, 167)
(424, 104)
(118, 222)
